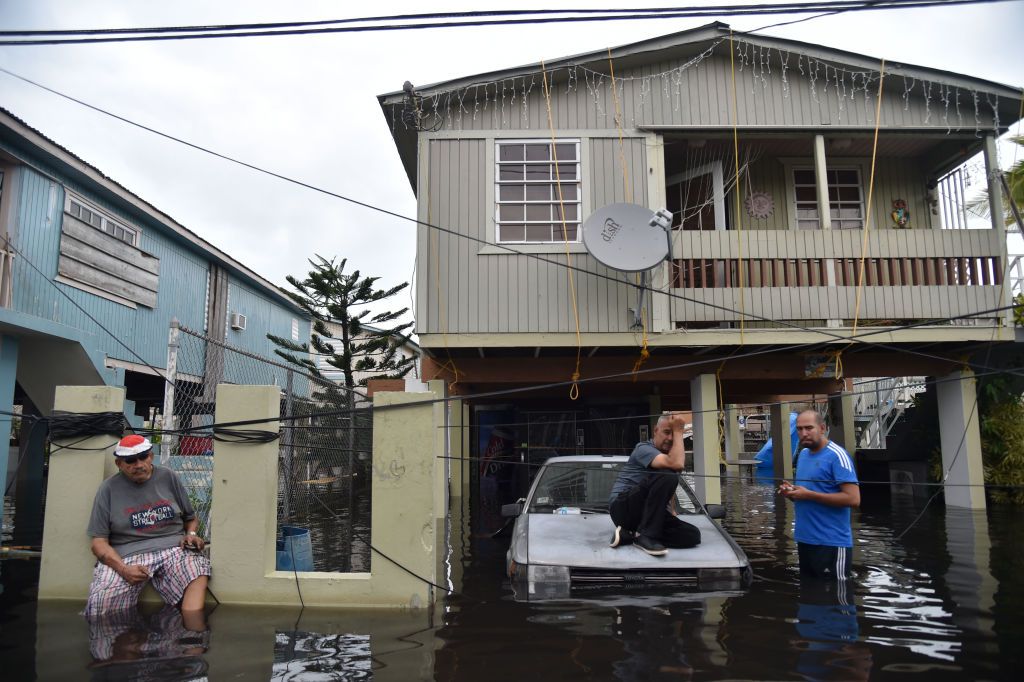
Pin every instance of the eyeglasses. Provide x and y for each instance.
(142, 457)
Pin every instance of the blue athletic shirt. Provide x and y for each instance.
(824, 471)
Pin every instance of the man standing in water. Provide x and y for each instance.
(641, 501)
(826, 490)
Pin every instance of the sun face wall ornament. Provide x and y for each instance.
(900, 213)
(760, 205)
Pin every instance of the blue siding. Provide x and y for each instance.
(182, 279)
(262, 317)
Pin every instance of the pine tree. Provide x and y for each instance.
(330, 295)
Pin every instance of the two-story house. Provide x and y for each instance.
(91, 277)
(817, 211)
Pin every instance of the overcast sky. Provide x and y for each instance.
(306, 107)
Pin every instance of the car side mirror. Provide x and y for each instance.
(514, 509)
(715, 511)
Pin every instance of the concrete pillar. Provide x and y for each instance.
(458, 445)
(969, 579)
(706, 450)
(243, 513)
(841, 428)
(8, 375)
(441, 448)
(733, 439)
(961, 440)
(782, 445)
(74, 477)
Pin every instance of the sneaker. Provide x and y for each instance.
(622, 536)
(651, 546)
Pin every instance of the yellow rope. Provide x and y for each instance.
(618, 124)
(628, 193)
(736, 186)
(574, 390)
(871, 191)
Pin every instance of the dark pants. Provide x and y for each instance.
(643, 509)
(822, 561)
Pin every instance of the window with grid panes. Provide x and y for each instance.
(91, 216)
(529, 175)
(845, 198)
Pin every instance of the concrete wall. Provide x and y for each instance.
(244, 510)
(407, 491)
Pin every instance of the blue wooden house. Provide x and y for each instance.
(92, 275)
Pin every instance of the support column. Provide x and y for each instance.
(704, 400)
(821, 181)
(841, 429)
(459, 446)
(961, 440)
(733, 439)
(998, 213)
(782, 445)
(442, 448)
(243, 516)
(74, 477)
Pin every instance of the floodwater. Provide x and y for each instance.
(941, 602)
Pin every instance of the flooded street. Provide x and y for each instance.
(942, 602)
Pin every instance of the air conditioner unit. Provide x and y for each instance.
(237, 321)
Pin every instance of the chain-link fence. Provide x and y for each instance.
(323, 482)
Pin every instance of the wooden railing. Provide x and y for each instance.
(790, 275)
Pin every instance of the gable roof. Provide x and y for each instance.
(688, 43)
(68, 162)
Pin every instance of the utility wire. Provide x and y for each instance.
(197, 32)
(481, 240)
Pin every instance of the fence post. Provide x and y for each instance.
(288, 436)
(168, 422)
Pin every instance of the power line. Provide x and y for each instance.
(505, 247)
(536, 17)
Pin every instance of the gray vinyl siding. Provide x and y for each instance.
(702, 96)
(461, 290)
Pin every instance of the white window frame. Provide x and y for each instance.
(107, 225)
(553, 201)
(808, 165)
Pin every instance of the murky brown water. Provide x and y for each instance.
(943, 602)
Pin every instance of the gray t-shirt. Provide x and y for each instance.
(141, 517)
(635, 469)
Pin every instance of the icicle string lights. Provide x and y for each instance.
(834, 88)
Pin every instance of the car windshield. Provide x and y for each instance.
(585, 486)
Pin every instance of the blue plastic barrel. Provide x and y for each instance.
(294, 549)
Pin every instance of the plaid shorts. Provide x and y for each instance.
(171, 571)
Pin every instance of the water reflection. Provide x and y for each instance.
(314, 656)
(829, 635)
(129, 645)
(942, 600)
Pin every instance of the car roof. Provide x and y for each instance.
(587, 458)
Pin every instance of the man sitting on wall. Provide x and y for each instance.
(143, 528)
(642, 500)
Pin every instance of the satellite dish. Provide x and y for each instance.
(627, 237)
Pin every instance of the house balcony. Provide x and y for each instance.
(810, 278)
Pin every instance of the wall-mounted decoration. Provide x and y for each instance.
(900, 213)
(760, 205)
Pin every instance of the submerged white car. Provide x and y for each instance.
(560, 541)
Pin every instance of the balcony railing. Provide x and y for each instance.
(813, 275)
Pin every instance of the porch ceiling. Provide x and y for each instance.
(679, 148)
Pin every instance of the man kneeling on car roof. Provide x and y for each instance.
(641, 500)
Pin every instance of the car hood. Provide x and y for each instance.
(581, 541)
